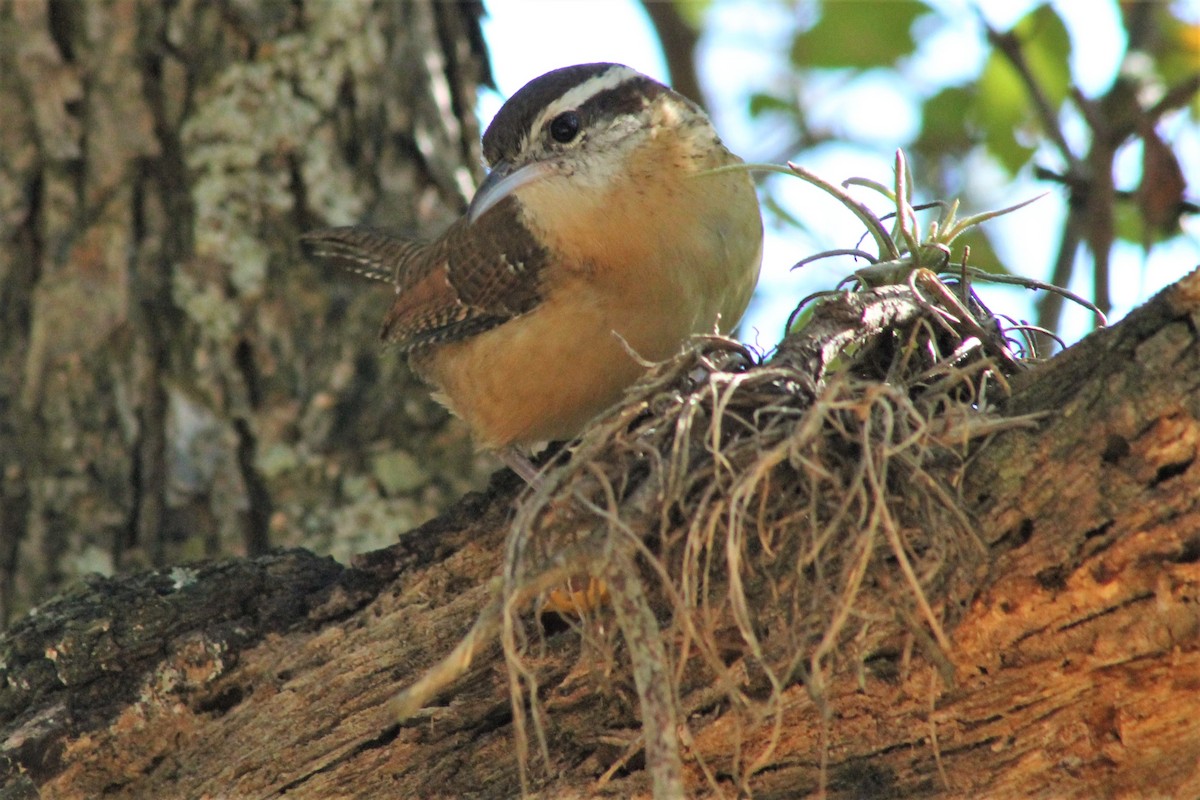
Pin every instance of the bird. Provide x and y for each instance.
(605, 234)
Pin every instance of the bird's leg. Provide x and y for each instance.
(519, 463)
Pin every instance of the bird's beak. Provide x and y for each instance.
(503, 180)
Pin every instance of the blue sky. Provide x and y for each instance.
(742, 45)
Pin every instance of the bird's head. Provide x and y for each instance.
(583, 124)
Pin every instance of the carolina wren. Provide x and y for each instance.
(599, 241)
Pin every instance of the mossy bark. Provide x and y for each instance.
(175, 380)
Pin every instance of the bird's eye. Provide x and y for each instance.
(565, 127)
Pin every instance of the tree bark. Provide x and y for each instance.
(175, 380)
(1075, 667)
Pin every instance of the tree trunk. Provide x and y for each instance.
(175, 381)
(1075, 666)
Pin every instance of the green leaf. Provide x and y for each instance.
(761, 103)
(801, 319)
(983, 255)
(1177, 53)
(1129, 226)
(1003, 105)
(1047, 49)
(1000, 107)
(859, 34)
(944, 128)
(693, 11)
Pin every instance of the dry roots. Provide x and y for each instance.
(759, 524)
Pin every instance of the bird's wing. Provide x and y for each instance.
(454, 287)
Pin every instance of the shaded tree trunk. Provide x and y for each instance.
(175, 381)
(1075, 666)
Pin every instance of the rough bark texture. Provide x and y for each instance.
(175, 381)
(1077, 665)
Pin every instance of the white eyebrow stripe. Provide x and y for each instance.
(578, 95)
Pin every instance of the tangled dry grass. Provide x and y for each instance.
(758, 524)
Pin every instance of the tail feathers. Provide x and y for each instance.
(363, 251)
